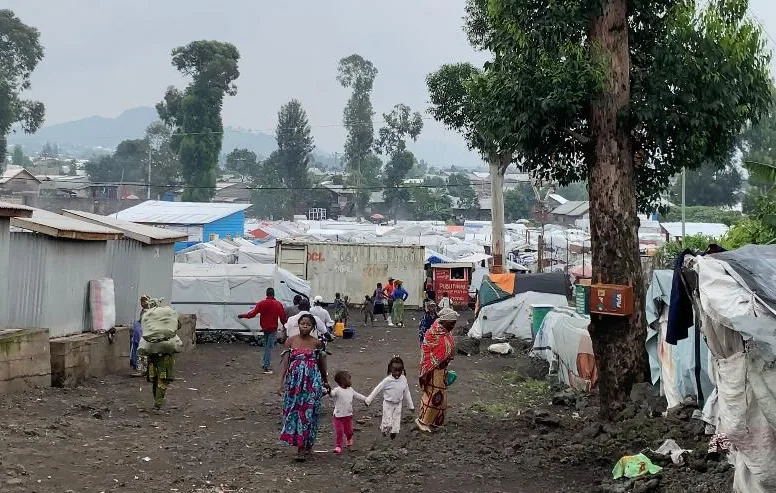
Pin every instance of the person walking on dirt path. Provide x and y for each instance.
(438, 350)
(396, 394)
(292, 326)
(388, 291)
(378, 301)
(367, 310)
(272, 313)
(400, 295)
(138, 362)
(303, 381)
(294, 309)
(428, 318)
(343, 396)
(322, 313)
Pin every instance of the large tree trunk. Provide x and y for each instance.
(618, 342)
(498, 166)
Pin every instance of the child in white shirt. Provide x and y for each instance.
(445, 301)
(396, 392)
(343, 410)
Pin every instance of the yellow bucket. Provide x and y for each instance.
(339, 329)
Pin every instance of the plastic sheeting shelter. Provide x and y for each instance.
(504, 303)
(681, 370)
(734, 302)
(499, 287)
(564, 342)
(218, 293)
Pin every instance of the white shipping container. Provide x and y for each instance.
(353, 269)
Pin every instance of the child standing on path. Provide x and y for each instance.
(396, 393)
(368, 310)
(343, 410)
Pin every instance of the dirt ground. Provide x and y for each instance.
(220, 432)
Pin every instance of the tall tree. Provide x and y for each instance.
(128, 164)
(459, 97)
(20, 53)
(624, 94)
(400, 124)
(165, 166)
(359, 74)
(284, 176)
(519, 202)
(195, 113)
(242, 162)
(709, 185)
(459, 185)
(295, 147)
(18, 158)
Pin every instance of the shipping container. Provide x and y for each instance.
(353, 269)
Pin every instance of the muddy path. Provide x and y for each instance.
(220, 428)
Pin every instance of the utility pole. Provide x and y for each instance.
(148, 195)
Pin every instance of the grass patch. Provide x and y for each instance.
(510, 393)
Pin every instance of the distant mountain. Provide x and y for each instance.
(82, 138)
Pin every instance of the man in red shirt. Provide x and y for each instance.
(271, 311)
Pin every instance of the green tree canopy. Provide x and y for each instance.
(459, 185)
(20, 53)
(709, 185)
(18, 158)
(165, 166)
(243, 163)
(194, 114)
(400, 124)
(128, 164)
(623, 94)
(519, 202)
(358, 74)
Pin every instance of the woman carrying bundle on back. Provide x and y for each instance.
(159, 343)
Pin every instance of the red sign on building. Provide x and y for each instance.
(454, 281)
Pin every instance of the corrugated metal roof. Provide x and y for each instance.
(140, 232)
(8, 209)
(572, 207)
(59, 226)
(12, 172)
(162, 212)
(558, 198)
(711, 229)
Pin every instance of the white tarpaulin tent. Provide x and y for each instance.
(737, 314)
(564, 341)
(681, 369)
(217, 293)
(512, 316)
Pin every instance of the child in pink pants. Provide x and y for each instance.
(343, 396)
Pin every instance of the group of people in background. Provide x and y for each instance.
(304, 382)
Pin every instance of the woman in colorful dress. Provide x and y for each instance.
(399, 295)
(438, 350)
(303, 382)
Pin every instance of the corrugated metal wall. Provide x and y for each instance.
(5, 242)
(49, 282)
(232, 224)
(139, 269)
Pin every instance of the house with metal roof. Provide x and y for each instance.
(16, 180)
(199, 221)
(571, 211)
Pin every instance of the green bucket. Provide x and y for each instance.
(538, 312)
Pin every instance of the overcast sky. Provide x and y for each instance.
(105, 56)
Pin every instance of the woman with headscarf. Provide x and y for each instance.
(428, 318)
(438, 350)
(303, 382)
(399, 295)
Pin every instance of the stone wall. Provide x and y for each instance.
(76, 358)
(25, 361)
